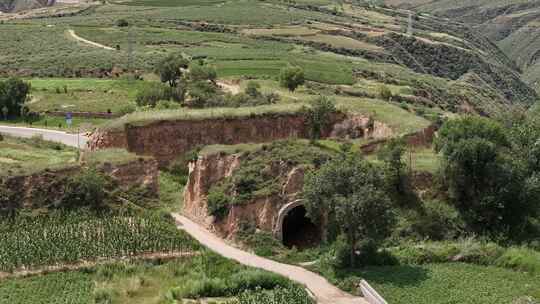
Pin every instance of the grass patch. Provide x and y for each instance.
(26, 156)
(148, 117)
(83, 94)
(113, 156)
(144, 282)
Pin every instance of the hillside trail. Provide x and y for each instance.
(92, 43)
(324, 292)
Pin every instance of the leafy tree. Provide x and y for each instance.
(202, 73)
(350, 193)
(13, 94)
(318, 115)
(488, 184)
(291, 78)
(170, 68)
(87, 189)
(392, 155)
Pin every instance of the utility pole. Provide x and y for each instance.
(410, 27)
(130, 50)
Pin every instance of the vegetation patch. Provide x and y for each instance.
(260, 172)
(74, 237)
(26, 156)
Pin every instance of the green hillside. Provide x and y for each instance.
(513, 25)
(442, 62)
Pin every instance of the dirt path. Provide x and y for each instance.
(324, 292)
(92, 43)
(231, 88)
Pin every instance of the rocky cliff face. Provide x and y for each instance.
(260, 211)
(167, 140)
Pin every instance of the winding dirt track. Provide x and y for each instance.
(324, 292)
(92, 43)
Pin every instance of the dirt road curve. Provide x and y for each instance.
(58, 136)
(325, 292)
(76, 37)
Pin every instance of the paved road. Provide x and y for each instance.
(52, 135)
(325, 292)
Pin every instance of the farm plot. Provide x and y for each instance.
(73, 237)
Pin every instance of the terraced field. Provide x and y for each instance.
(335, 44)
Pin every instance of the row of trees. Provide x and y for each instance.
(13, 94)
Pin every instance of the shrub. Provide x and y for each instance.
(149, 96)
(252, 89)
(218, 202)
(385, 93)
(291, 78)
(291, 295)
(318, 115)
(122, 23)
(253, 279)
(206, 287)
(520, 258)
(87, 189)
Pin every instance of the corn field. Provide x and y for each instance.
(29, 242)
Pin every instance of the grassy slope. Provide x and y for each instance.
(24, 156)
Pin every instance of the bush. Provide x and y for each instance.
(252, 89)
(291, 295)
(87, 189)
(520, 258)
(385, 93)
(318, 115)
(218, 202)
(291, 78)
(122, 23)
(206, 287)
(253, 279)
(149, 96)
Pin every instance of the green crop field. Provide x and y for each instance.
(451, 283)
(68, 238)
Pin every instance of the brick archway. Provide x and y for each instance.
(278, 228)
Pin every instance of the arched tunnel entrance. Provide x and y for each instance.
(298, 230)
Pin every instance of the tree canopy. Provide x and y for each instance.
(13, 94)
(291, 78)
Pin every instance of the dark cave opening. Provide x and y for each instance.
(299, 231)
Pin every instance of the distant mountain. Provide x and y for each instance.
(11, 6)
(514, 25)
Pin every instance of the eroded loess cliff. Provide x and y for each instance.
(43, 189)
(260, 210)
(167, 140)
